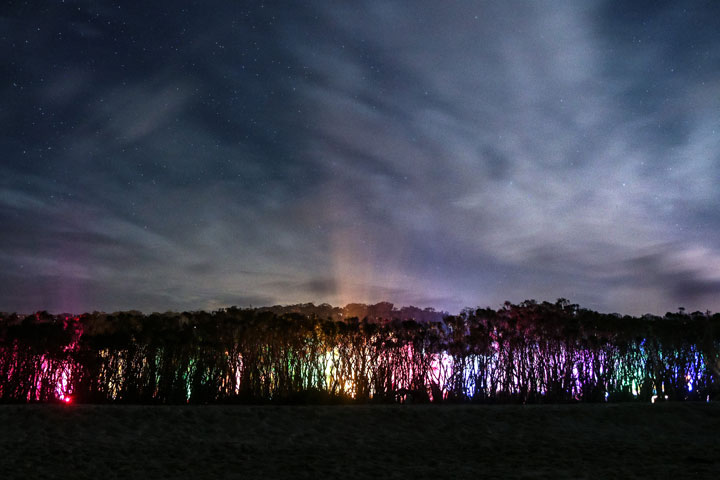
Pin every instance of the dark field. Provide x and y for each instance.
(673, 440)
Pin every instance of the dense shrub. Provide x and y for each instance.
(531, 352)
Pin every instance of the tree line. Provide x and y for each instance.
(527, 353)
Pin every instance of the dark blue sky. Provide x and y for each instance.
(195, 155)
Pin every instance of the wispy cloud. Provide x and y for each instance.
(446, 155)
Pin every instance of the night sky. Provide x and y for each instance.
(182, 156)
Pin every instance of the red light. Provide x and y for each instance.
(67, 400)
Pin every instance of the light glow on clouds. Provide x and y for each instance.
(439, 155)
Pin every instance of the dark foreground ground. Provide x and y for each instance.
(675, 440)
